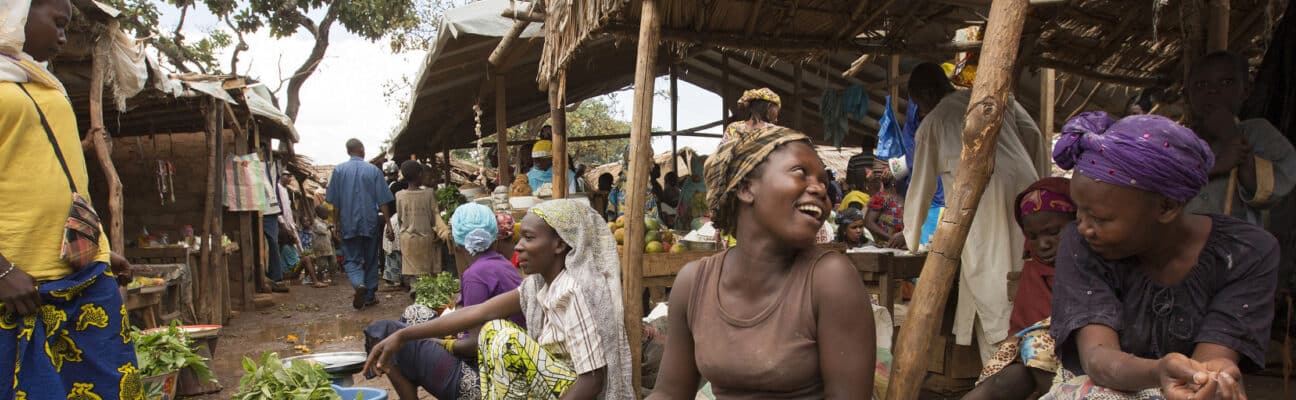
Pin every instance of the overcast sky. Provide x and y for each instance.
(344, 97)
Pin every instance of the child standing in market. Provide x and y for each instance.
(322, 248)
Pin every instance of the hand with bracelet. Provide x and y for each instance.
(17, 289)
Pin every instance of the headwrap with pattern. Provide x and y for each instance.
(504, 223)
(1145, 152)
(541, 149)
(594, 263)
(760, 94)
(736, 159)
(1048, 194)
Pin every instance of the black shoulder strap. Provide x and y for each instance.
(49, 133)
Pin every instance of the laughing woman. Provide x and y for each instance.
(773, 316)
(574, 346)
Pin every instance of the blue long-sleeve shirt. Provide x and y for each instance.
(357, 189)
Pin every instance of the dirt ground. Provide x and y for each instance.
(323, 321)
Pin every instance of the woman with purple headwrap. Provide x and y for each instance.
(1149, 300)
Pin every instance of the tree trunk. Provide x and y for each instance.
(312, 62)
(980, 133)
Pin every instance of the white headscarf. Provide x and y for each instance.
(15, 65)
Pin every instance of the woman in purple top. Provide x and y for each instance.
(489, 274)
(1150, 301)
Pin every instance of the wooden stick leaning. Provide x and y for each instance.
(980, 133)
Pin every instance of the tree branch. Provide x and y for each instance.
(321, 33)
(241, 47)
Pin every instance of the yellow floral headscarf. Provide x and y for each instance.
(760, 94)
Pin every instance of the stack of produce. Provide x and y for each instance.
(657, 239)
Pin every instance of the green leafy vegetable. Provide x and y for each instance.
(448, 199)
(436, 291)
(271, 379)
(168, 351)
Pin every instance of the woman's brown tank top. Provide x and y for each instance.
(773, 355)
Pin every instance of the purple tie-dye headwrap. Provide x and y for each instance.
(1147, 152)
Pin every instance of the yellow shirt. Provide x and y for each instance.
(34, 194)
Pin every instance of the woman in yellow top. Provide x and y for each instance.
(762, 106)
(62, 321)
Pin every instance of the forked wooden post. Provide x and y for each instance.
(558, 113)
(640, 154)
(980, 132)
(103, 151)
(505, 175)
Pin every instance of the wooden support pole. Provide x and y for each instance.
(446, 154)
(1217, 30)
(674, 98)
(558, 113)
(103, 152)
(247, 275)
(507, 42)
(501, 133)
(640, 158)
(893, 81)
(204, 276)
(798, 116)
(980, 133)
(724, 88)
(219, 274)
(1048, 95)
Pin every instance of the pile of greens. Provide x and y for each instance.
(436, 291)
(448, 199)
(273, 380)
(168, 351)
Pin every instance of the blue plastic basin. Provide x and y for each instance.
(351, 393)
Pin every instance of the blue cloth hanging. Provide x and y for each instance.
(855, 102)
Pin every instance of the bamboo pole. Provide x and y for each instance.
(103, 151)
(507, 42)
(558, 113)
(640, 158)
(446, 154)
(1217, 28)
(1048, 95)
(980, 132)
(501, 133)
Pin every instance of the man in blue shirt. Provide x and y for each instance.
(358, 191)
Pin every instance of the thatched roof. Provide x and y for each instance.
(1135, 43)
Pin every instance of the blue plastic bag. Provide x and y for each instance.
(889, 142)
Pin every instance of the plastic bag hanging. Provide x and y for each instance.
(889, 142)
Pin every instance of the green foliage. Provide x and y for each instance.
(436, 291)
(271, 379)
(594, 117)
(168, 351)
(448, 199)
